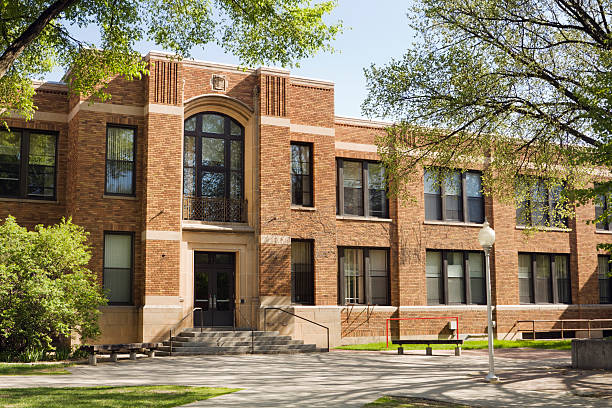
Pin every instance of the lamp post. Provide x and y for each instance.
(486, 237)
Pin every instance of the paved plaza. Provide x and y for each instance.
(530, 378)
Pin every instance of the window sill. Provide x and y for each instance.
(362, 218)
(603, 232)
(216, 227)
(544, 229)
(120, 197)
(28, 200)
(302, 208)
(453, 223)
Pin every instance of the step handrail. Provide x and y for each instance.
(183, 319)
(294, 315)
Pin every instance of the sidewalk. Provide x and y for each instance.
(530, 378)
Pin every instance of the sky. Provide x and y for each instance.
(375, 32)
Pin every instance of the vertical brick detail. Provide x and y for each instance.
(275, 96)
(166, 82)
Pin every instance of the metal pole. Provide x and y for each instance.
(491, 377)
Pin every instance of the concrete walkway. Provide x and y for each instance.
(530, 378)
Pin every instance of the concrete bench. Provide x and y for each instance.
(428, 350)
(114, 349)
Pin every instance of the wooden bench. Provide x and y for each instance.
(114, 349)
(428, 350)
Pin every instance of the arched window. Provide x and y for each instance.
(213, 168)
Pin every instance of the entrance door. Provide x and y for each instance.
(214, 288)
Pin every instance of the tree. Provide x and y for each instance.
(523, 86)
(36, 35)
(46, 290)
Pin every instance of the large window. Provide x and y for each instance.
(213, 168)
(28, 164)
(302, 272)
(544, 278)
(454, 277)
(120, 154)
(118, 267)
(453, 196)
(538, 204)
(301, 174)
(602, 205)
(364, 276)
(605, 282)
(361, 189)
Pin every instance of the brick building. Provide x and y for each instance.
(205, 185)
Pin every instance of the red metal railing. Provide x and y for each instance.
(421, 318)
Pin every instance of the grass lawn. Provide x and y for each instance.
(159, 396)
(34, 369)
(402, 402)
(469, 345)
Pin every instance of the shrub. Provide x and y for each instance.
(62, 353)
(46, 290)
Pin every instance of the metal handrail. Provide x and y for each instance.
(563, 328)
(294, 315)
(183, 319)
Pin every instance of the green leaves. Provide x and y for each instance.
(46, 289)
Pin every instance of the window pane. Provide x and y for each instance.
(433, 207)
(236, 185)
(377, 194)
(477, 278)
(539, 204)
(41, 165)
(235, 129)
(378, 275)
(433, 273)
(525, 278)
(236, 155)
(555, 207)
(456, 277)
(117, 285)
(213, 185)
(473, 187)
(605, 288)
(213, 152)
(302, 272)
(212, 123)
(301, 189)
(117, 251)
(353, 276)
(10, 157)
(543, 289)
(562, 277)
(189, 183)
(600, 202)
(473, 184)
(353, 188)
(452, 196)
(189, 151)
(190, 124)
(432, 184)
(119, 160)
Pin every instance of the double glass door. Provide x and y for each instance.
(214, 288)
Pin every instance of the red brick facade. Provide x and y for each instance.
(275, 109)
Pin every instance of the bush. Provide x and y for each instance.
(46, 290)
(31, 354)
(62, 353)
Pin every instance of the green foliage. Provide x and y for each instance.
(518, 88)
(46, 290)
(256, 31)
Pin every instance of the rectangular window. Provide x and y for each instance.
(453, 195)
(544, 278)
(120, 154)
(364, 276)
(605, 282)
(455, 277)
(28, 164)
(118, 266)
(538, 204)
(602, 205)
(362, 189)
(301, 174)
(302, 272)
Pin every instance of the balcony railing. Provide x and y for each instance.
(214, 209)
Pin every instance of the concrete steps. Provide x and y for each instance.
(198, 341)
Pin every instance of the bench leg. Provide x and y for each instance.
(113, 357)
(428, 351)
(132, 355)
(151, 353)
(93, 359)
(458, 350)
(400, 350)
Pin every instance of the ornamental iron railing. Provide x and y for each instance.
(214, 209)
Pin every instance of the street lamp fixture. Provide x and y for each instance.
(486, 237)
